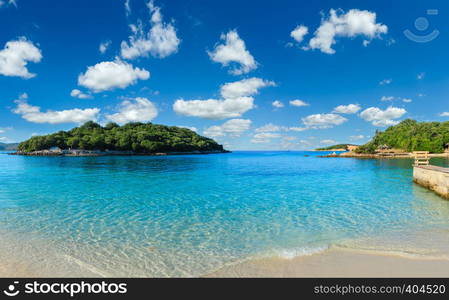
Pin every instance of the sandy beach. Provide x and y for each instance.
(334, 262)
(340, 262)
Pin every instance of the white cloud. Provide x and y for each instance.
(386, 81)
(108, 75)
(244, 88)
(298, 103)
(322, 121)
(392, 98)
(270, 127)
(444, 114)
(33, 113)
(356, 137)
(233, 51)
(297, 129)
(234, 128)
(299, 33)
(78, 94)
(277, 104)
(387, 98)
(235, 103)
(104, 46)
(328, 142)
(351, 24)
(190, 127)
(160, 41)
(134, 110)
(265, 137)
(347, 109)
(214, 109)
(15, 56)
(421, 76)
(382, 118)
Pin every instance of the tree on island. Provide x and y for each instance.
(137, 137)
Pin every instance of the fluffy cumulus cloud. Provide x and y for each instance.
(78, 94)
(277, 104)
(351, 24)
(298, 103)
(233, 128)
(108, 75)
(213, 109)
(382, 118)
(34, 114)
(444, 114)
(347, 109)
(233, 51)
(134, 110)
(236, 101)
(243, 88)
(15, 56)
(299, 33)
(160, 41)
(104, 46)
(322, 121)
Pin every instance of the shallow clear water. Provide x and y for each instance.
(189, 215)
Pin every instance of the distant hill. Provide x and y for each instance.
(135, 137)
(410, 135)
(334, 147)
(8, 146)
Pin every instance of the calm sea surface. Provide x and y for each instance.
(190, 215)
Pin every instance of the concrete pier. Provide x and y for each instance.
(434, 178)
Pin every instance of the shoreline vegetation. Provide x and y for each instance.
(400, 141)
(144, 139)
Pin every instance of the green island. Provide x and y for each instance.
(409, 136)
(402, 140)
(339, 147)
(112, 139)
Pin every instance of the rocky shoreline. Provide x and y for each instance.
(408, 155)
(80, 153)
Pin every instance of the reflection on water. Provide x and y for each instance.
(188, 215)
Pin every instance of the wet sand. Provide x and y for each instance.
(340, 262)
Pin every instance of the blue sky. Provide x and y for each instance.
(272, 75)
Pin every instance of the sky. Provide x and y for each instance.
(265, 75)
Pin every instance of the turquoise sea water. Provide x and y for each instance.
(190, 215)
